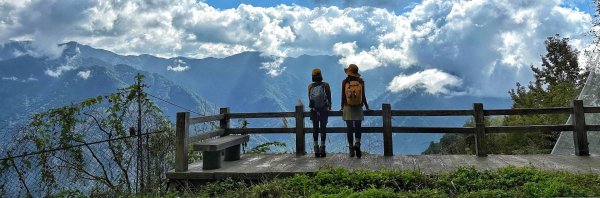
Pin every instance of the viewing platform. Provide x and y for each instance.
(264, 166)
(222, 157)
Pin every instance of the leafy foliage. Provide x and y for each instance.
(558, 81)
(464, 182)
(58, 141)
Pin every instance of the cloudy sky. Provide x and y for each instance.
(441, 44)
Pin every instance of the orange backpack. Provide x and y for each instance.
(354, 93)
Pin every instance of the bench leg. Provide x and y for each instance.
(233, 153)
(211, 160)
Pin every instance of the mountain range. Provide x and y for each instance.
(34, 83)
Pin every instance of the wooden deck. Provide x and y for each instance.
(262, 166)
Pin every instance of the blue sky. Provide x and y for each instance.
(398, 6)
(473, 45)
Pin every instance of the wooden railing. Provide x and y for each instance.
(478, 112)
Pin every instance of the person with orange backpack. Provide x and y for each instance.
(319, 95)
(353, 99)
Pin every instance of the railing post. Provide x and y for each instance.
(579, 131)
(388, 148)
(181, 141)
(300, 142)
(224, 123)
(479, 118)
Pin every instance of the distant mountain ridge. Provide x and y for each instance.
(33, 84)
(240, 82)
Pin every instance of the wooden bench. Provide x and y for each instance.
(212, 149)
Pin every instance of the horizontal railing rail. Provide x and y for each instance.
(262, 115)
(478, 114)
(529, 111)
(432, 112)
(529, 128)
(463, 112)
(203, 119)
(402, 129)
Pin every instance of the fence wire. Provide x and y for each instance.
(97, 151)
(107, 167)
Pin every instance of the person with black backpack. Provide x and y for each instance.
(353, 99)
(319, 95)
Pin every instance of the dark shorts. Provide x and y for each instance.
(320, 115)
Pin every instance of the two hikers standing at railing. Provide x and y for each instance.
(352, 100)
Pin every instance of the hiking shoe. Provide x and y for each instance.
(317, 153)
(351, 153)
(322, 151)
(357, 150)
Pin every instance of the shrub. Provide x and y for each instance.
(463, 182)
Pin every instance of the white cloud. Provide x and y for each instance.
(273, 68)
(84, 74)
(336, 25)
(46, 22)
(179, 66)
(363, 60)
(345, 49)
(272, 37)
(70, 64)
(482, 42)
(13, 78)
(218, 50)
(58, 71)
(433, 81)
(375, 57)
(18, 53)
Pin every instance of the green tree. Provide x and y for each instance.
(558, 75)
(558, 81)
(89, 148)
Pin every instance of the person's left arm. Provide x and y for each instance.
(364, 96)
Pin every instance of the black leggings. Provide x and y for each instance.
(319, 120)
(353, 127)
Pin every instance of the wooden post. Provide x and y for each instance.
(211, 160)
(181, 141)
(388, 148)
(232, 153)
(224, 123)
(579, 132)
(300, 142)
(480, 145)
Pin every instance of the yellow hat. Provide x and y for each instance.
(316, 71)
(352, 70)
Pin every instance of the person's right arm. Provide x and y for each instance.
(364, 96)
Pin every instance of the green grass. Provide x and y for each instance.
(465, 182)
